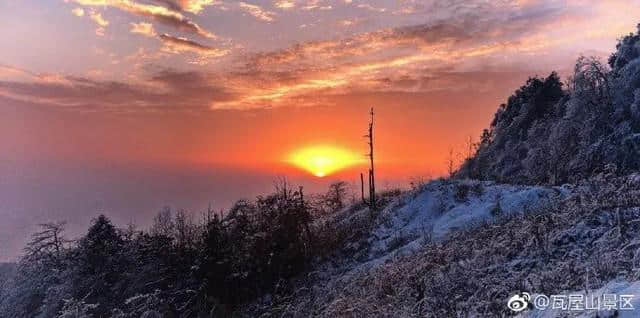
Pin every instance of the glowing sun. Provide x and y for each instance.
(323, 160)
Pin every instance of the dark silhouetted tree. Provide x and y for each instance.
(336, 195)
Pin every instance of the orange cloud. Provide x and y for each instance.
(179, 44)
(284, 4)
(143, 28)
(98, 19)
(257, 11)
(372, 8)
(157, 13)
(78, 12)
(411, 59)
(193, 6)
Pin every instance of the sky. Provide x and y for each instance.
(124, 106)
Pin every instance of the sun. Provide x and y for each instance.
(322, 161)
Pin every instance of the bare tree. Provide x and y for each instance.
(362, 187)
(450, 163)
(283, 187)
(470, 147)
(163, 223)
(185, 229)
(48, 243)
(372, 181)
(336, 195)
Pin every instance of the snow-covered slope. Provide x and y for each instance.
(441, 207)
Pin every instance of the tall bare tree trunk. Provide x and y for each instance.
(362, 186)
(372, 180)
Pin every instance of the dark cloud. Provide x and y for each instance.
(194, 87)
(172, 4)
(178, 22)
(168, 91)
(179, 44)
(193, 6)
(456, 23)
(451, 81)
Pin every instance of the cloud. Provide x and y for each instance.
(284, 4)
(303, 5)
(409, 8)
(143, 28)
(316, 5)
(397, 59)
(12, 73)
(371, 8)
(257, 11)
(459, 41)
(78, 12)
(193, 6)
(165, 91)
(158, 13)
(98, 19)
(456, 27)
(178, 45)
(174, 44)
(351, 22)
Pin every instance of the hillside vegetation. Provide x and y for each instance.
(587, 236)
(552, 133)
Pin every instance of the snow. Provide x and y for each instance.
(437, 209)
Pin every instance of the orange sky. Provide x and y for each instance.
(412, 132)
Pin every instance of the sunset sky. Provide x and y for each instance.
(124, 106)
